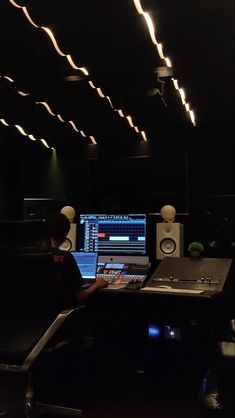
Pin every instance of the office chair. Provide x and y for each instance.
(30, 322)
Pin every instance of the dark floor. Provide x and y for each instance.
(117, 379)
(127, 399)
(116, 388)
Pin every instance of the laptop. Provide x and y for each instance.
(87, 264)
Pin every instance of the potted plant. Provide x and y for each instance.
(195, 249)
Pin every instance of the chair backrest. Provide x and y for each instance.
(25, 236)
(27, 279)
(26, 284)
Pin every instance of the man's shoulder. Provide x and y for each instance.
(60, 255)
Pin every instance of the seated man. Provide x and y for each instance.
(69, 286)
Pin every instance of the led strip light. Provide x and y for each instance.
(75, 67)
(47, 107)
(22, 131)
(159, 47)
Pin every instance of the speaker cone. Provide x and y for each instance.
(167, 246)
(66, 245)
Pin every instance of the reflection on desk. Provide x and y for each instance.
(171, 290)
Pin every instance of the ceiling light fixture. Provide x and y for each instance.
(4, 122)
(22, 131)
(68, 56)
(159, 47)
(47, 107)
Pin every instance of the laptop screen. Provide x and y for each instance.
(87, 263)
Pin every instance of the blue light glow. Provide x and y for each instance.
(154, 331)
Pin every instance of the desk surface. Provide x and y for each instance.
(186, 277)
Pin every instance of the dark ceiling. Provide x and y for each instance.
(112, 41)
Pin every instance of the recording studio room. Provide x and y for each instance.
(117, 207)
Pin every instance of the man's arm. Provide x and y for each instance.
(84, 294)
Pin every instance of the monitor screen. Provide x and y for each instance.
(87, 263)
(113, 234)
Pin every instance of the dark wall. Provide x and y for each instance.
(9, 183)
(29, 170)
(26, 171)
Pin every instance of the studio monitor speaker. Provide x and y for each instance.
(169, 240)
(40, 208)
(70, 242)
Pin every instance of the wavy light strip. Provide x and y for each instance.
(185, 104)
(51, 36)
(108, 98)
(137, 6)
(22, 132)
(160, 50)
(8, 78)
(32, 137)
(28, 17)
(73, 125)
(120, 112)
(15, 4)
(93, 140)
(44, 142)
(47, 107)
(150, 27)
(91, 84)
(4, 122)
(159, 46)
(100, 93)
(68, 56)
(21, 93)
(60, 118)
(73, 65)
(143, 135)
(130, 121)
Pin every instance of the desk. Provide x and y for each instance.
(124, 317)
(181, 281)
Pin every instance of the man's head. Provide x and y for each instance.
(58, 227)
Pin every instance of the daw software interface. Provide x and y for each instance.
(113, 234)
(87, 263)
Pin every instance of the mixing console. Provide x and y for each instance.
(120, 274)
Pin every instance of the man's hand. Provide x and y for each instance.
(100, 283)
(85, 294)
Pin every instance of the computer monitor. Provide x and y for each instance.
(117, 234)
(87, 264)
